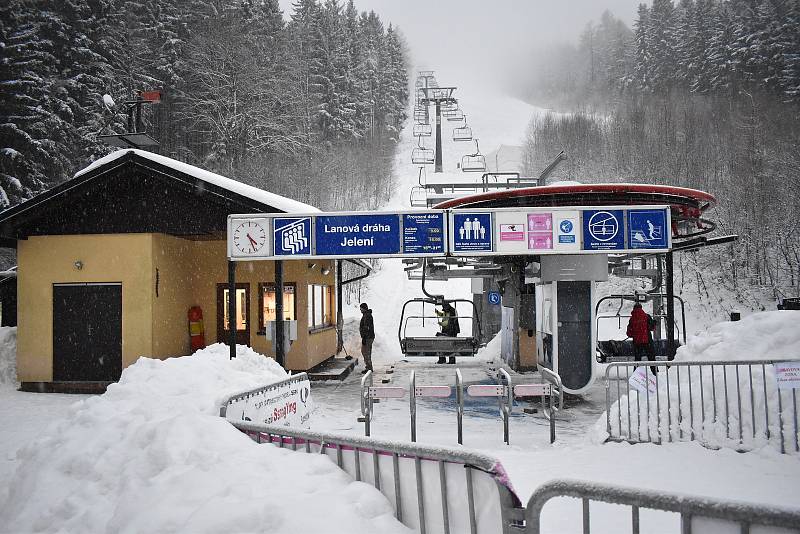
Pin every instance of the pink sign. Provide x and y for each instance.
(512, 232)
(540, 240)
(540, 222)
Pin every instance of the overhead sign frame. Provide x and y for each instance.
(453, 232)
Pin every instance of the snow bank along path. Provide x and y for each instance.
(153, 455)
(715, 419)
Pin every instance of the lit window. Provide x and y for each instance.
(241, 309)
(320, 306)
(267, 292)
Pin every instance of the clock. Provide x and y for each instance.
(250, 236)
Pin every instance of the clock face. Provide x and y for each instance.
(249, 237)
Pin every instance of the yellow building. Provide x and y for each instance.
(110, 262)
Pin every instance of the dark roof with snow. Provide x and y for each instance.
(132, 191)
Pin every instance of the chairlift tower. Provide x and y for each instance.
(438, 96)
(135, 137)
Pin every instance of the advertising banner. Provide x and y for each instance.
(285, 403)
(788, 375)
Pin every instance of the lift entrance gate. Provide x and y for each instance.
(439, 233)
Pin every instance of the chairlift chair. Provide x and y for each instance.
(422, 130)
(463, 132)
(455, 115)
(437, 346)
(421, 155)
(474, 162)
(421, 116)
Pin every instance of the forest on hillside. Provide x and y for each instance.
(702, 94)
(310, 108)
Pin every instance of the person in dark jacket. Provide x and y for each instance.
(640, 328)
(449, 323)
(367, 330)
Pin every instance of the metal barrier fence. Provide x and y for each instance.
(732, 404)
(504, 392)
(697, 514)
(432, 489)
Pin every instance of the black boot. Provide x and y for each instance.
(452, 360)
(440, 360)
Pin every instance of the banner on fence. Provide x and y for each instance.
(286, 403)
(788, 375)
(642, 380)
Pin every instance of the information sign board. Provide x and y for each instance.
(494, 298)
(472, 232)
(292, 236)
(357, 235)
(648, 229)
(603, 230)
(424, 233)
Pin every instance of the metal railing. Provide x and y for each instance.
(471, 491)
(551, 394)
(734, 404)
(695, 513)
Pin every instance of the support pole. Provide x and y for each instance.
(339, 318)
(438, 167)
(280, 356)
(232, 308)
(670, 308)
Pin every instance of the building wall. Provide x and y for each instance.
(187, 273)
(174, 267)
(312, 347)
(47, 260)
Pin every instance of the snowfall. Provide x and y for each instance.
(153, 455)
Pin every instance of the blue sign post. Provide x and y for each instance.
(494, 298)
(423, 233)
(648, 229)
(603, 230)
(472, 232)
(357, 235)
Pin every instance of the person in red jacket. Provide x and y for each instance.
(640, 328)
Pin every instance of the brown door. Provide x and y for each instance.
(242, 314)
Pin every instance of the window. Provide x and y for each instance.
(241, 309)
(267, 306)
(320, 306)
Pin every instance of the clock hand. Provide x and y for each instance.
(252, 241)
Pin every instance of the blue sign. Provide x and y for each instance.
(292, 236)
(648, 229)
(566, 227)
(423, 233)
(494, 297)
(603, 230)
(348, 235)
(472, 232)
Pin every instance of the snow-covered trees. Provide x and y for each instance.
(244, 92)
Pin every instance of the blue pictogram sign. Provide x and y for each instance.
(423, 233)
(603, 230)
(648, 229)
(472, 232)
(292, 236)
(566, 226)
(494, 297)
(343, 235)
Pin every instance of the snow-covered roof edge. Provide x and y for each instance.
(287, 205)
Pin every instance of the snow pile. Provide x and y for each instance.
(732, 406)
(152, 455)
(8, 357)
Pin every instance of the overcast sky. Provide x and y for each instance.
(469, 39)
